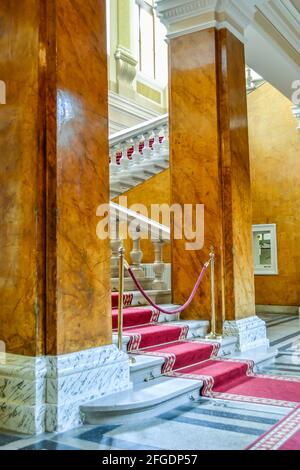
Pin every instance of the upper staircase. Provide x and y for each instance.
(138, 153)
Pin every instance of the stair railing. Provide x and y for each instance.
(139, 151)
(138, 226)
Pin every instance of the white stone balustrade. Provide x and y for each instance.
(138, 153)
(158, 234)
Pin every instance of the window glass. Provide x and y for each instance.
(147, 65)
(265, 249)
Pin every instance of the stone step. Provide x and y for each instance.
(142, 401)
(148, 368)
(146, 283)
(160, 297)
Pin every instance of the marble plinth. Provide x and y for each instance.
(250, 332)
(45, 393)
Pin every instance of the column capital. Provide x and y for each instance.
(187, 16)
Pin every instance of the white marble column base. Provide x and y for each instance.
(45, 393)
(250, 332)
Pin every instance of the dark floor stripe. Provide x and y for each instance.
(213, 425)
(49, 445)
(8, 439)
(274, 369)
(271, 325)
(229, 415)
(97, 436)
(285, 338)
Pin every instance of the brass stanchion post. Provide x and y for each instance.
(122, 263)
(121, 295)
(213, 334)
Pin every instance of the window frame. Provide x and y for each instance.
(264, 270)
(150, 9)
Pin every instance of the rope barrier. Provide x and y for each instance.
(160, 309)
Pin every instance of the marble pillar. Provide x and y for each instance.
(54, 272)
(209, 152)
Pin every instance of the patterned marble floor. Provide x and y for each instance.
(208, 425)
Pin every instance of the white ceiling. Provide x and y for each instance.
(273, 43)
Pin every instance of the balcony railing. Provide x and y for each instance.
(137, 153)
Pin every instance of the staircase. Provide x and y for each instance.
(144, 328)
(142, 151)
(138, 153)
(159, 343)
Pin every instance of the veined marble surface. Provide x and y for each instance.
(251, 332)
(45, 393)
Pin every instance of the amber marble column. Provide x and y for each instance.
(54, 272)
(210, 166)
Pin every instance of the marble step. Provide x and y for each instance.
(261, 356)
(160, 297)
(142, 401)
(147, 368)
(197, 329)
(146, 283)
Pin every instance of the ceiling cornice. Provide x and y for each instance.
(187, 16)
(285, 18)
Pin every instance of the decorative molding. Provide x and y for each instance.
(126, 65)
(296, 113)
(188, 16)
(45, 393)
(125, 113)
(251, 333)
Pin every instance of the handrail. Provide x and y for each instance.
(156, 230)
(147, 126)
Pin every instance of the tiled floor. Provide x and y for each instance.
(207, 425)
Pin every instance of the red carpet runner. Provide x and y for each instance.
(285, 435)
(226, 379)
(230, 379)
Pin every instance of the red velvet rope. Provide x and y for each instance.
(160, 309)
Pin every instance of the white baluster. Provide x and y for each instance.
(156, 145)
(147, 152)
(165, 143)
(124, 164)
(158, 266)
(113, 167)
(136, 256)
(136, 156)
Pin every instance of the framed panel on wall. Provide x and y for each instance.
(265, 249)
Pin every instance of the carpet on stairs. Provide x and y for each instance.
(285, 435)
(226, 379)
(179, 353)
(135, 316)
(153, 335)
(127, 299)
(235, 380)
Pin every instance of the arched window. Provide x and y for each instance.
(2, 92)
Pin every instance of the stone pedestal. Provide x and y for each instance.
(250, 332)
(39, 394)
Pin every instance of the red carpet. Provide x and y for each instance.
(127, 299)
(229, 379)
(152, 335)
(285, 435)
(226, 379)
(180, 353)
(135, 316)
